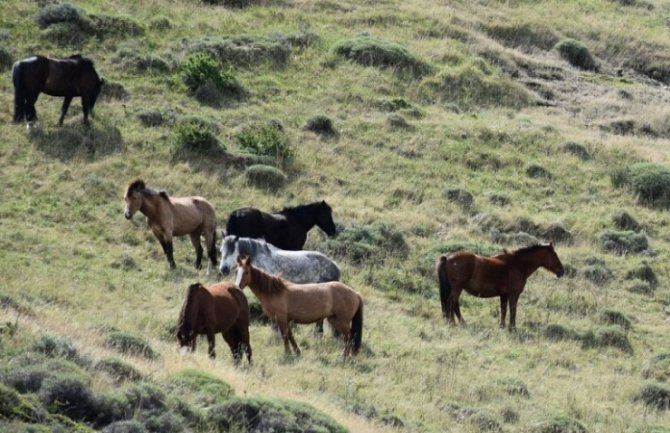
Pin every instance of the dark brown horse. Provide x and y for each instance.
(285, 302)
(503, 275)
(68, 77)
(174, 216)
(209, 310)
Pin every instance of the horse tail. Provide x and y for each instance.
(357, 327)
(184, 325)
(445, 287)
(19, 93)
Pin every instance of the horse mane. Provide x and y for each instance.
(303, 211)
(81, 59)
(529, 249)
(184, 326)
(251, 246)
(268, 284)
(139, 185)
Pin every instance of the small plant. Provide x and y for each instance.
(191, 138)
(202, 70)
(558, 424)
(118, 370)
(655, 395)
(130, 344)
(266, 140)
(265, 176)
(369, 51)
(321, 125)
(614, 317)
(624, 221)
(536, 171)
(624, 242)
(201, 388)
(577, 54)
(657, 367)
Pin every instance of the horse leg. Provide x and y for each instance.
(31, 113)
(86, 105)
(210, 340)
(210, 243)
(512, 311)
(318, 328)
(503, 309)
(63, 111)
(452, 305)
(285, 331)
(195, 240)
(167, 249)
(344, 330)
(235, 345)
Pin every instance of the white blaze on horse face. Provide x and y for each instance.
(238, 279)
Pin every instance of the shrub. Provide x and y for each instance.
(266, 140)
(610, 336)
(373, 242)
(118, 370)
(513, 386)
(657, 367)
(641, 287)
(577, 54)
(70, 396)
(127, 426)
(395, 104)
(559, 333)
(53, 346)
(6, 59)
(645, 273)
(194, 139)
(537, 171)
(264, 415)
(651, 182)
(130, 344)
(131, 59)
(558, 424)
(113, 90)
(614, 317)
(463, 198)
(624, 221)
(265, 176)
(656, 395)
(108, 25)
(597, 274)
(59, 13)
(244, 51)
(499, 199)
(624, 242)
(146, 398)
(203, 75)
(368, 51)
(14, 406)
(72, 142)
(576, 149)
(160, 23)
(557, 233)
(201, 388)
(321, 125)
(150, 118)
(396, 121)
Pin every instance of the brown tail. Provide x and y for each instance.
(445, 287)
(357, 328)
(184, 326)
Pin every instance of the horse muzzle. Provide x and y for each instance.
(128, 215)
(560, 273)
(224, 270)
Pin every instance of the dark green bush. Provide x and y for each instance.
(499, 199)
(69, 396)
(54, 346)
(369, 243)
(576, 149)
(244, 51)
(118, 370)
(190, 138)
(265, 176)
(264, 415)
(396, 121)
(369, 51)
(624, 242)
(645, 273)
(108, 25)
(113, 90)
(559, 333)
(558, 424)
(611, 336)
(577, 54)
(208, 81)
(201, 388)
(130, 344)
(463, 198)
(266, 140)
(651, 182)
(656, 395)
(59, 13)
(624, 221)
(597, 274)
(321, 125)
(150, 118)
(15, 406)
(537, 171)
(126, 426)
(614, 317)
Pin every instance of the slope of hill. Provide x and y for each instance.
(428, 127)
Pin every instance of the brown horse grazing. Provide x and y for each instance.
(174, 216)
(68, 77)
(219, 308)
(285, 302)
(503, 275)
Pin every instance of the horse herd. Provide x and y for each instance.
(264, 245)
(299, 286)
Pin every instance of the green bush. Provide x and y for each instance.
(558, 424)
(266, 140)
(577, 54)
(70, 396)
(645, 273)
(597, 274)
(201, 388)
(265, 176)
(320, 124)
(656, 395)
(130, 344)
(191, 138)
(369, 243)
(54, 346)
(614, 317)
(651, 182)
(59, 13)
(625, 242)
(611, 336)
(6, 59)
(369, 51)
(200, 70)
(118, 370)
(624, 221)
(244, 51)
(126, 426)
(15, 406)
(130, 59)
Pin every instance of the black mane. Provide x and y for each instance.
(530, 249)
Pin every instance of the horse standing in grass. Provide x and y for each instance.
(284, 302)
(174, 216)
(503, 275)
(287, 229)
(219, 308)
(68, 77)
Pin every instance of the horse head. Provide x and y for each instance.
(229, 252)
(133, 198)
(243, 271)
(324, 219)
(551, 261)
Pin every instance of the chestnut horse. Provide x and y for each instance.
(284, 302)
(219, 308)
(174, 216)
(503, 275)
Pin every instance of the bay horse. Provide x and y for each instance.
(296, 266)
(286, 229)
(503, 275)
(209, 310)
(283, 302)
(68, 77)
(174, 216)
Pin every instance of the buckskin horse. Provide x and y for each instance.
(219, 308)
(68, 77)
(503, 275)
(284, 302)
(174, 216)
(286, 229)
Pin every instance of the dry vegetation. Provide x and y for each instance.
(428, 127)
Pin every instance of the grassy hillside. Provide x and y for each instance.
(483, 125)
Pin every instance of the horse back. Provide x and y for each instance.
(479, 275)
(189, 213)
(31, 73)
(245, 222)
(226, 305)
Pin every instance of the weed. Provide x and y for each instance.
(268, 140)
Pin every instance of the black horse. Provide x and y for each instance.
(68, 77)
(286, 229)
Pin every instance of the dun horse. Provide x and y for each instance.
(219, 308)
(286, 229)
(503, 275)
(174, 216)
(284, 302)
(68, 77)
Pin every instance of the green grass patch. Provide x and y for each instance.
(368, 51)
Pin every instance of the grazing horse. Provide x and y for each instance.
(174, 216)
(284, 302)
(219, 308)
(296, 266)
(68, 77)
(503, 275)
(286, 229)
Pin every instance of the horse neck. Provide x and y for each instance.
(529, 262)
(264, 285)
(304, 217)
(150, 205)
